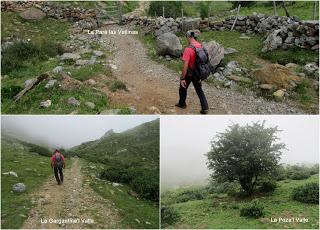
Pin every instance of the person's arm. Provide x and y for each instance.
(185, 59)
(51, 162)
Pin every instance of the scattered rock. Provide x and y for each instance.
(291, 65)
(50, 84)
(32, 14)
(137, 220)
(70, 56)
(154, 110)
(58, 69)
(91, 82)
(230, 51)
(215, 53)
(113, 66)
(278, 94)
(45, 104)
(275, 74)
(273, 41)
(98, 53)
(230, 68)
(19, 187)
(12, 173)
(115, 184)
(28, 82)
(73, 101)
(191, 24)
(312, 69)
(91, 105)
(267, 86)
(81, 62)
(168, 43)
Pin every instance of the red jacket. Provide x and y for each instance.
(53, 159)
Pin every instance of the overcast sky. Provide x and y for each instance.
(67, 131)
(185, 140)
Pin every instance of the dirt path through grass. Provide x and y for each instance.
(74, 200)
(153, 88)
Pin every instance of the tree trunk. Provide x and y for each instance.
(285, 9)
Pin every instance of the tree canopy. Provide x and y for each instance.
(245, 153)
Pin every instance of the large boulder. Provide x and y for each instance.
(168, 43)
(32, 14)
(190, 24)
(273, 41)
(277, 75)
(215, 53)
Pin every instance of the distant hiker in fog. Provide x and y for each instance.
(58, 163)
(193, 57)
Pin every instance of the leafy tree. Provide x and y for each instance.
(244, 154)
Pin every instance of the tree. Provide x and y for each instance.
(244, 154)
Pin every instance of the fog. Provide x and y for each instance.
(66, 131)
(185, 140)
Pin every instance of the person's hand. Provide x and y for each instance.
(183, 83)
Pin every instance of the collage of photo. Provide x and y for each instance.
(160, 114)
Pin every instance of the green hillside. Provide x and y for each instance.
(198, 208)
(31, 169)
(130, 158)
(139, 145)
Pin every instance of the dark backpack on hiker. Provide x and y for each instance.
(201, 69)
(59, 162)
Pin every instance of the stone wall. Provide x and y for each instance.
(84, 18)
(291, 32)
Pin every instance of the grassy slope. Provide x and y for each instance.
(218, 213)
(142, 144)
(301, 9)
(32, 170)
(129, 207)
(13, 25)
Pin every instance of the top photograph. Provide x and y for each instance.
(159, 57)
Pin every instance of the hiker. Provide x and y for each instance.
(190, 75)
(58, 163)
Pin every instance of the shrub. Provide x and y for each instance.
(169, 216)
(171, 8)
(297, 172)
(204, 9)
(194, 194)
(146, 186)
(117, 85)
(40, 150)
(308, 193)
(16, 55)
(267, 185)
(229, 188)
(253, 209)
(143, 181)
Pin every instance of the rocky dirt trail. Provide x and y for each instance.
(153, 88)
(74, 201)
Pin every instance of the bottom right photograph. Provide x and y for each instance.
(239, 172)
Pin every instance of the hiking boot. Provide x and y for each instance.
(204, 111)
(181, 106)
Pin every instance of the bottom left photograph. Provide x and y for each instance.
(97, 172)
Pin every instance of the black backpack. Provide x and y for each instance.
(59, 162)
(201, 69)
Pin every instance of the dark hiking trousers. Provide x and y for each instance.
(56, 171)
(198, 87)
